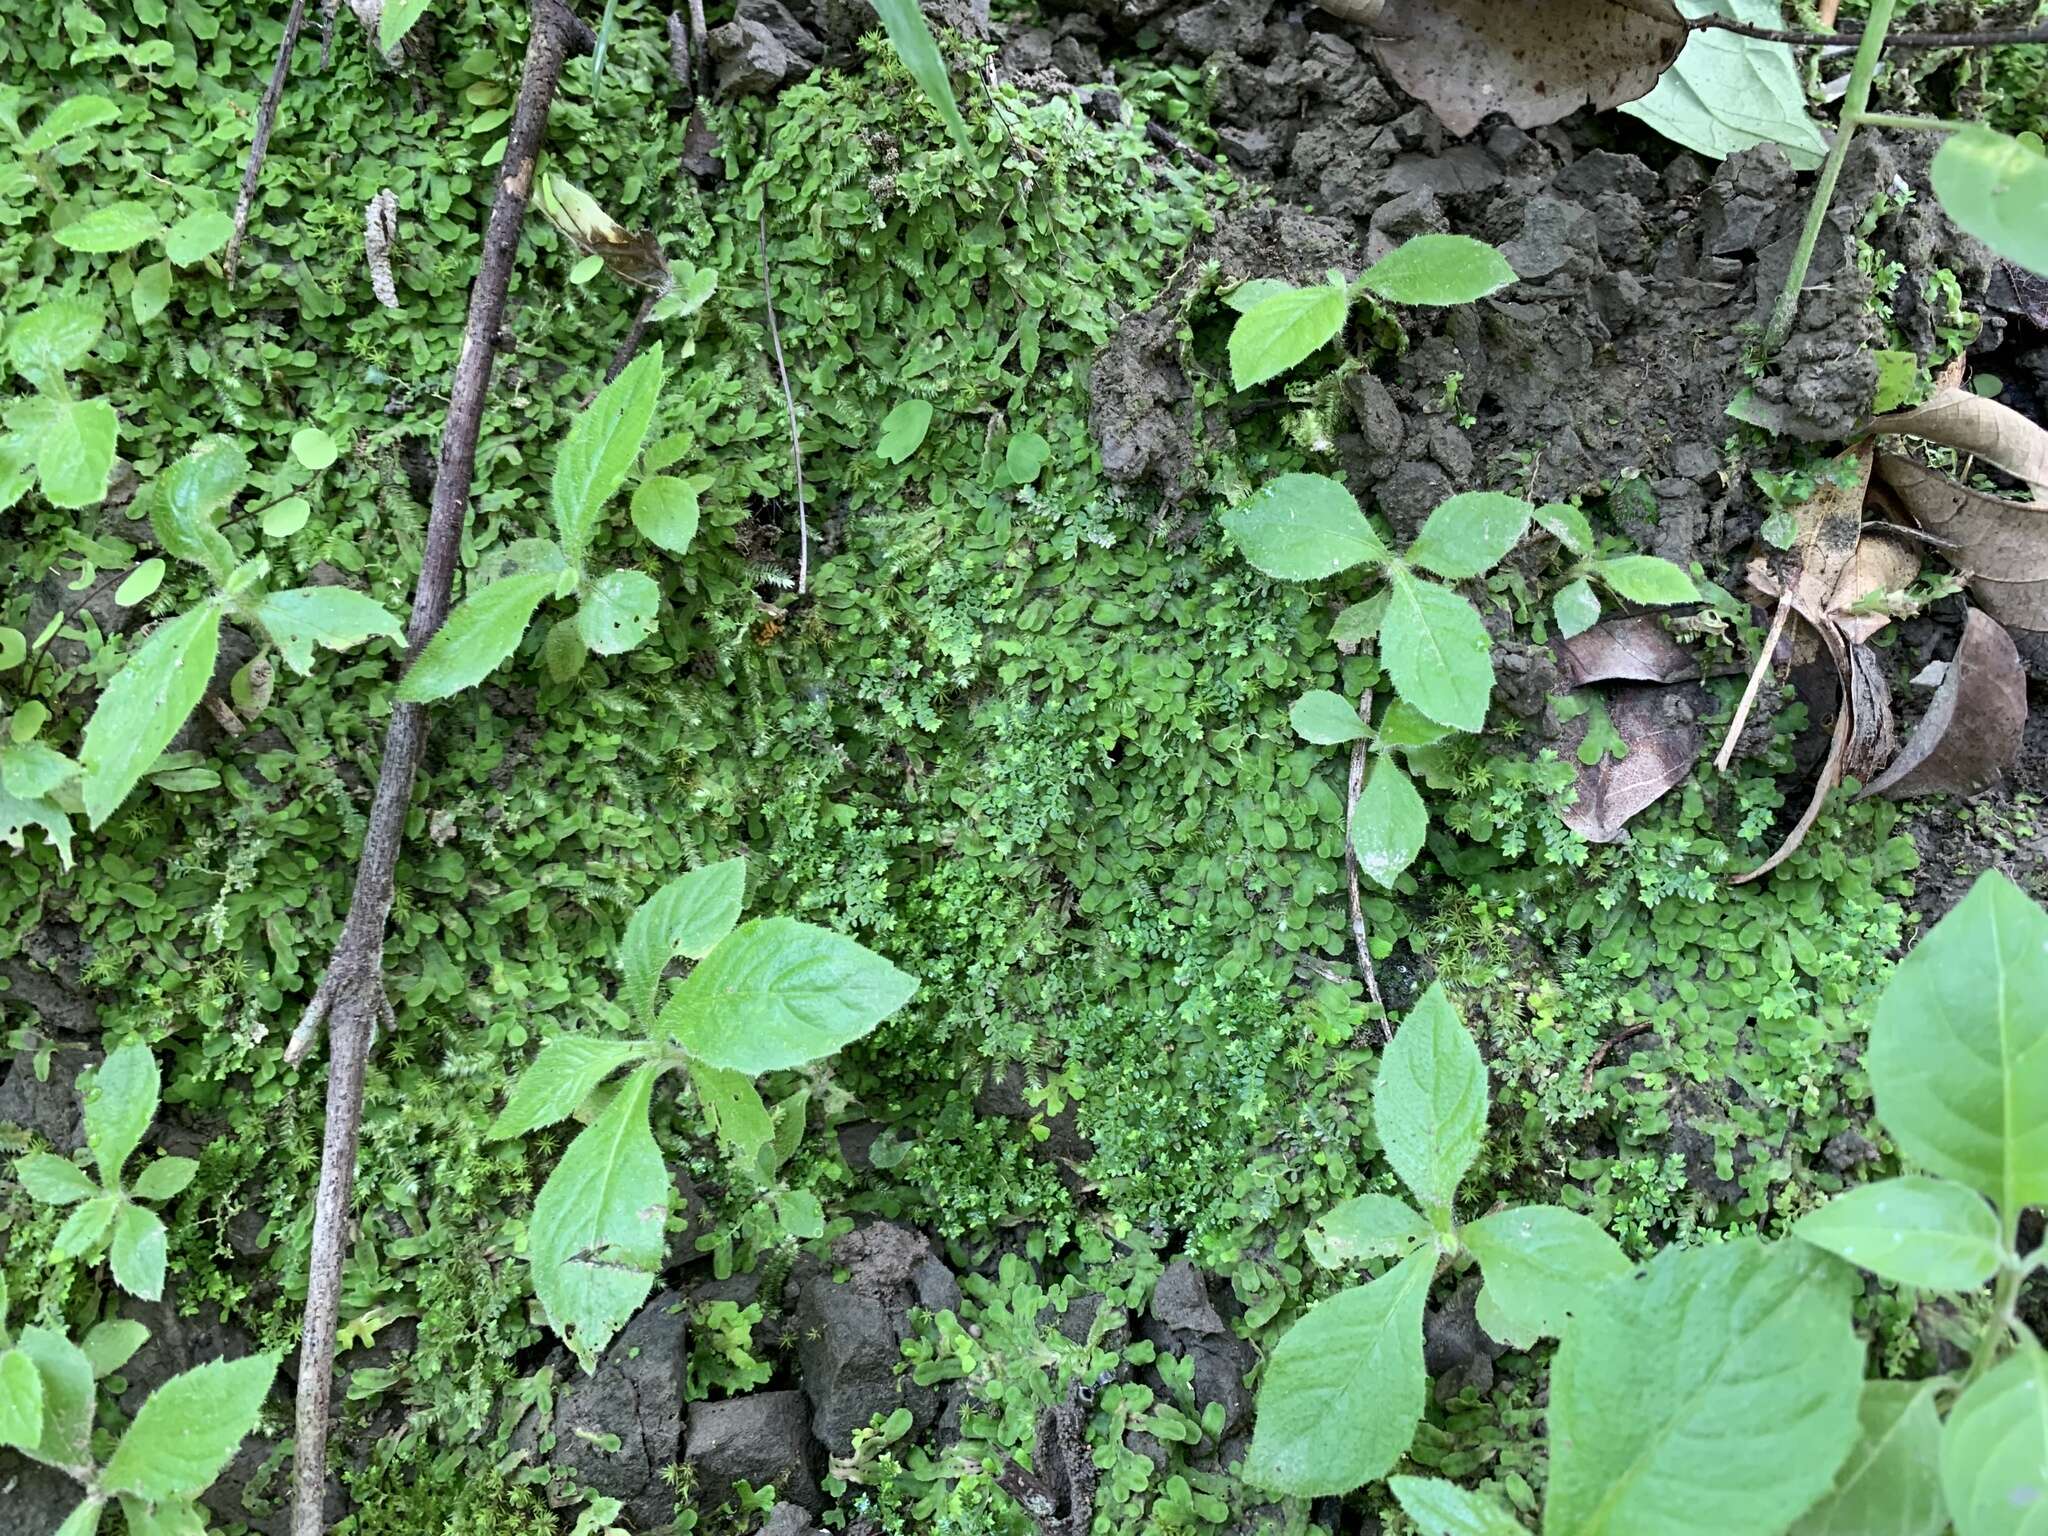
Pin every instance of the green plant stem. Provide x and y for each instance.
(1997, 1327)
(1910, 124)
(1854, 103)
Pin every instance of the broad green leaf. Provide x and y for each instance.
(1916, 1230)
(85, 1228)
(188, 498)
(112, 1344)
(137, 1253)
(1994, 1450)
(140, 583)
(483, 630)
(177, 1517)
(562, 1076)
(75, 452)
(120, 1100)
(1429, 1101)
(164, 1179)
(903, 430)
(1255, 290)
(67, 1397)
(665, 511)
(734, 1106)
(151, 295)
(919, 50)
(1360, 622)
(1438, 270)
(688, 916)
(1540, 1263)
(1439, 1508)
(1343, 1390)
(54, 1180)
(1959, 1049)
(1996, 188)
(1726, 93)
(84, 1519)
(21, 1401)
(314, 448)
(777, 993)
(116, 227)
(197, 236)
(32, 770)
(55, 337)
(17, 815)
(1403, 725)
(1368, 1227)
(1389, 823)
(800, 1213)
(299, 618)
(1437, 651)
(1712, 1394)
(1283, 329)
(189, 1429)
(1025, 456)
(1303, 528)
(143, 707)
(618, 611)
(68, 119)
(398, 18)
(1891, 1483)
(1325, 718)
(596, 1238)
(1470, 534)
(1566, 524)
(600, 451)
(1644, 579)
(1576, 608)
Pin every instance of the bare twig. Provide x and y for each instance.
(1640, 1027)
(350, 999)
(1756, 679)
(1712, 23)
(1358, 933)
(1168, 142)
(266, 119)
(796, 447)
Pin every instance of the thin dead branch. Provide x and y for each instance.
(1756, 677)
(1848, 38)
(796, 446)
(259, 147)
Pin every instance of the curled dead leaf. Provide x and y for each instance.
(1830, 776)
(1625, 650)
(1972, 729)
(1972, 424)
(1882, 565)
(632, 256)
(1536, 60)
(1873, 738)
(2002, 545)
(1830, 528)
(1661, 728)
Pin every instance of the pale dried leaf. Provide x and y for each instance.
(1625, 650)
(1972, 729)
(1661, 727)
(631, 255)
(2002, 545)
(1970, 423)
(1880, 565)
(1536, 60)
(380, 233)
(1830, 528)
(1873, 738)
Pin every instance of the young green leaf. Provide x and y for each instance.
(68, 119)
(919, 50)
(189, 1429)
(1891, 1483)
(1429, 1101)
(1368, 1227)
(1438, 270)
(174, 1517)
(1540, 1263)
(734, 1107)
(1359, 623)
(140, 583)
(1729, 1356)
(1388, 824)
(1644, 579)
(187, 498)
(1994, 1449)
(484, 629)
(1995, 187)
(1576, 608)
(563, 652)
(903, 430)
(396, 19)
(299, 618)
(112, 1344)
(1439, 1508)
(197, 236)
(1325, 718)
(665, 511)
(1284, 329)
(164, 1179)
(17, 815)
(1343, 1390)
(116, 227)
(85, 1228)
(1919, 1231)
(1403, 725)
(67, 1397)
(32, 770)
(315, 448)
(599, 453)
(84, 1519)
(75, 451)
(55, 337)
(778, 993)
(137, 1253)
(1470, 534)
(1566, 524)
(120, 1100)
(143, 707)
(1726, 93)
(21, 1401)
(1959, 1048)
(151, 295)
(1303, 528)
(688, 916)
(561, 1077)
(618, 611)
(1437, 651)
(1025, 456)
(54, 1180)
(596, 1238)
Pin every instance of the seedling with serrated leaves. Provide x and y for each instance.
(120, 1100)
(764, 996)
(615, 611)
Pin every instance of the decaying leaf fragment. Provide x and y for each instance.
(380, 233)
(632, 256)
(1635, 649)
(1536, 60)
(1970, 423)
(1660, 727)
(1971, 732)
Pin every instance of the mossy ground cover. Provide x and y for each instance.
(1026, 735)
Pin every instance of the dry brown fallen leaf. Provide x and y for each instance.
(1881, 564)
(1968, 422)
(1972, 729)
(2002, 545)
(1873, 737)
(1625, 650)
(1536, 60)
(1661, 727)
